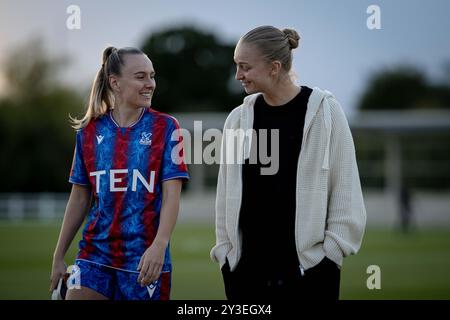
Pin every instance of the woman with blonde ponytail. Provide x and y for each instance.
(126, 180)
(284, 227)
(101, 99)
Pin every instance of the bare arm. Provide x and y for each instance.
(76, 210)
(169, 210)
(152, 261)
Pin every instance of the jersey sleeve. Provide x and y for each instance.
(173, 164)
(78, 173)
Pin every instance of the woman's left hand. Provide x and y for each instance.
(151, 264)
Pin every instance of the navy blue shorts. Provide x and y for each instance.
(116, 284)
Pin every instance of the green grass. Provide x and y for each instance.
(413, 266)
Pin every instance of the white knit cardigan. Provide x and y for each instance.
(330, 213)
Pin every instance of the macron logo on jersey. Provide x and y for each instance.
(114, 180)
(151, 288)
(99, 139)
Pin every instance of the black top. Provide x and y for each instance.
(267, 216)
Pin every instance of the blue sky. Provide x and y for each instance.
(337, 51)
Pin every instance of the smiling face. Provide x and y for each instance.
(135, 86)
(252, 70)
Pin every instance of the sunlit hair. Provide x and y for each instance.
(101, 99)
(273, 43)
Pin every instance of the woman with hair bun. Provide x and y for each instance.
(284, 227)
(126, 180)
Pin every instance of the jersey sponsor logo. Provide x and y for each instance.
(145, 138)
(116, 176)
(99, 138)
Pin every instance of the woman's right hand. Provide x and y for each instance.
(58, 271)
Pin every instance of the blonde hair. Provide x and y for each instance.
(101, 98)
(273, 43)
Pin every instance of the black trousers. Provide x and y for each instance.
(319, 282)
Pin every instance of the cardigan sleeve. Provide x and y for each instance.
(346, 216)
(223, 244)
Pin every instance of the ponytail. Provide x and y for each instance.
(101, 98)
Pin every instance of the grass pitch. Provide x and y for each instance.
(413, 266)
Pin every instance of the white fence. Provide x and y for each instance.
(428, 209)
(41, 206)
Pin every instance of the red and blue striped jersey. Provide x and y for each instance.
(125, 168)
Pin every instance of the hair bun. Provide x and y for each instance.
(293, 37)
